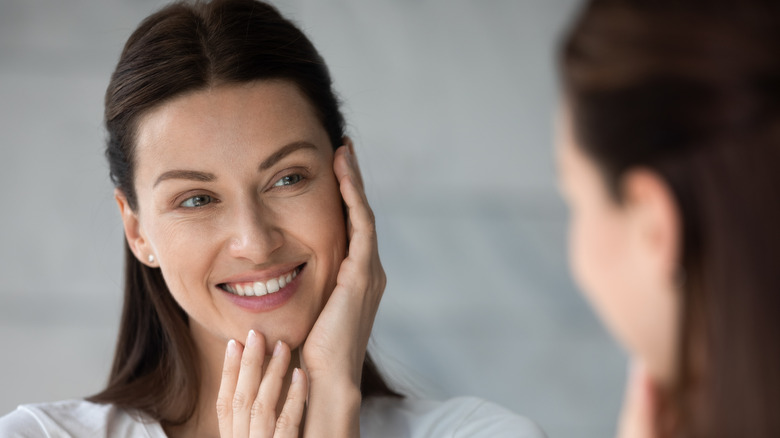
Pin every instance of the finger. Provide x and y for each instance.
(360, 215)
(345, 165)
(289, 422)
(638, 412)
(263, 414)
(351, 148)
(227, 387)
(248, 383)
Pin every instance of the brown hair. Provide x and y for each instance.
(691, 90)
(180, 49)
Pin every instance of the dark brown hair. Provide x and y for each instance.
(183, 48)
(691, 90)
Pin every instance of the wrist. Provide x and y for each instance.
(333, 410)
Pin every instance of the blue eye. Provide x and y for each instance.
(288, 180)
(196, 201)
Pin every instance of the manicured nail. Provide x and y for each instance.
(278, 348)
(251, 339)
(296, 375)
(232, 349)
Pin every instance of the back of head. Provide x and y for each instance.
(691, 90)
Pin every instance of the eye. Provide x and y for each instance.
(196, 201)
(288, 180)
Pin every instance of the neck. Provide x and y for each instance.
(211, 355)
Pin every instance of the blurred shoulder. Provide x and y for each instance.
(456, 417)
(76, 418)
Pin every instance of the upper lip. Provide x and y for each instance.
(262, 275)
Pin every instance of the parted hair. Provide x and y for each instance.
(182, 48)
(691, 90)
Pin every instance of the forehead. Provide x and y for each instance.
(262, 107)
(226, 121)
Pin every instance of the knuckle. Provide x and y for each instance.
(258, 410)
(239, 401)
(223, 408)
(284, 422)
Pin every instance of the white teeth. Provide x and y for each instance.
(249, 290)
(260, 289)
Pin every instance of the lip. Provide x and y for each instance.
(269, 301)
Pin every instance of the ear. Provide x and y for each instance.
(136, 238)
(654, 222)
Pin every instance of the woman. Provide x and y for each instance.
(670, 161)
(250, 248)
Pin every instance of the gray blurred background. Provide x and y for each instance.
(450, 103)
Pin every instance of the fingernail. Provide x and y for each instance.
(232, 349)
(296, 375)
(278, 348)
(251, 339)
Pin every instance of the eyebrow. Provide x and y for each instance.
(285, 151)
(194, 175)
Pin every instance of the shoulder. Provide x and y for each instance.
(456, 417)
(75, 418)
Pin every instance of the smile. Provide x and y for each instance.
(260, 288)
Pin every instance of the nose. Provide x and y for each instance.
(254, 233)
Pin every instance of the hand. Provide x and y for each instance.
(637, 419)
(248, 395)
(335, 349)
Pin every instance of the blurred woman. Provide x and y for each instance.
(669, 157)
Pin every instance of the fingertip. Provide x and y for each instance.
(232, 348)
(296, 377)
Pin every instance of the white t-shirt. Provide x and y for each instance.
(380, 417)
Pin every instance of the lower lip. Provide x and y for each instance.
(266, 302)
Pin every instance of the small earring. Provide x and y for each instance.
(151, 258)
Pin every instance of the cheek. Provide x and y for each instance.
(597, 255)
(186, 250)
(589, 252)
(601, 263)
(317, 220)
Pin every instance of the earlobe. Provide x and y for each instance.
(134, 234)
(655, 221)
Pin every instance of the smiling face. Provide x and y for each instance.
(238, 204)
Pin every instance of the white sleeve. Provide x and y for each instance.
(21, 423)
(491, 420)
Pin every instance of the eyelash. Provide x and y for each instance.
(298, 178)
(287, 177)
(210, 200)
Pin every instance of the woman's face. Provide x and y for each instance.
(239, 205)
(620, 253)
